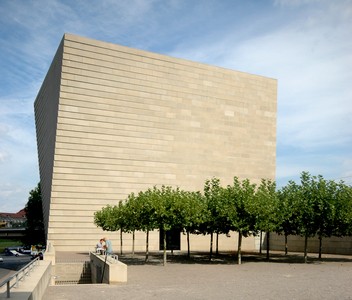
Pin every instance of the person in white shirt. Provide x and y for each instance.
(100, 246)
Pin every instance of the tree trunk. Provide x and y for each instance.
(164, 257)
(121, 243)
(267, 245)
(217, 243)
(305, 249)
(239, 251)
(260, 242)
(188, 246)
(320, 245)
(147, 247)
(286, 244)
(211, 246)
(133, 239)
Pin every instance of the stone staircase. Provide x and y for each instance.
(72, 269)
(73, 273)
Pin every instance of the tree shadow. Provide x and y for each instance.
(298, 258)
(227, 258)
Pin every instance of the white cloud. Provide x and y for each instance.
(18, 153)
(3, 156)
(305, 44)
(12, 197)
(294, 2)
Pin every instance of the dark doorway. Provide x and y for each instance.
(173, 239)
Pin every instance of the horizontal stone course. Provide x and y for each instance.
(124, 120)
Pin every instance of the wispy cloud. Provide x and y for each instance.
(18, 153)
(305, 44)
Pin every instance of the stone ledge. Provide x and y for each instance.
(113, 272)
(34, 286)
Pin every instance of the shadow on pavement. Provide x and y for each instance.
(226, 258)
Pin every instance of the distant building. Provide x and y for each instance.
(112, 120)
(13, 220)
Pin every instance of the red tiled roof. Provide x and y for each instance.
(19, 215)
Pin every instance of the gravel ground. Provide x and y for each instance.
(280, 278)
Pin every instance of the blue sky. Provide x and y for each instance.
(305, 44)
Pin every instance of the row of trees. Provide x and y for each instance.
(315, 207)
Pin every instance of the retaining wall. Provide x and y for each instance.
(108, 271)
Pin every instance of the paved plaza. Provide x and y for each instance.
(280, 278)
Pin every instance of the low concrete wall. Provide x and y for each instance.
(34, 286)
(43, 281)
(49, 254)
(111, 272)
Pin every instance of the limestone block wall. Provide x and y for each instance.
(129, 119)
(227, 243)
(46, 111)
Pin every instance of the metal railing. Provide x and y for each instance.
(18, 276)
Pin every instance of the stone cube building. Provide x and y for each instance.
(112, 120)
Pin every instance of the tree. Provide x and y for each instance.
(219, 208)
(162, 209)
(112, 218)
(169, 208)
(34, 232)
(194, 209)
(119, 212)
(317, 202)
(308, 220)
(343, 204)
(243, 220)
(288, 211)
(265, 207)
(132, 216)
(105, 219)
(324, 207)
(147, 214)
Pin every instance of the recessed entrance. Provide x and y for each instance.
(173, 239)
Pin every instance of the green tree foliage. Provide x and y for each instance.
(265, 208)
(168, 212)
(343, 210)
(288, 211)
(315, 207)
(112, 218)
(132, 217)
(240, 197)
(121, 222)
(147, 214)
(324, 207)
(307, 226)
(34, 233)
(217, 215)
(105, 218)
(192, 213)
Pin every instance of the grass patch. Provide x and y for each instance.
(4, 243)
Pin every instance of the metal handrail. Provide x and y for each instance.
(24, 271)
